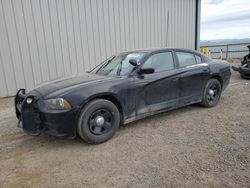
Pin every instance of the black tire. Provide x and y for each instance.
(88, 128)
(212, 93)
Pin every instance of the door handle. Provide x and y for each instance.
(205, 70)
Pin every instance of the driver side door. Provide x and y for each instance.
(159, 90)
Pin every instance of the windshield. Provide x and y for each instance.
(118, 65)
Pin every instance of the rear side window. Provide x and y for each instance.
(185, 59)
(160, 62)
(198, 59)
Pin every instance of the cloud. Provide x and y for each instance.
(225, 19)
(225, 30)
(234, 16)
(213, 1)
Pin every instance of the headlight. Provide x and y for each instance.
(56, 104)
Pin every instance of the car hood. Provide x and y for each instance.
(61, 86)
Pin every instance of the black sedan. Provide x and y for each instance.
(122, 89)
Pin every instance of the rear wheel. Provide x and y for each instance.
(98, 121)
(212, 93)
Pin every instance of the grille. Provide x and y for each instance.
(30, 116)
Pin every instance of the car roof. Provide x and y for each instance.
(150, 50)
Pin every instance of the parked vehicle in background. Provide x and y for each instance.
(244, 68)
(124, 88)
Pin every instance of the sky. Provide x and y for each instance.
(225, 19)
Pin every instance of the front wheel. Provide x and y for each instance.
(98, 121)
(212, 93)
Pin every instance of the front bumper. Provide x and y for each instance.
(34, 121)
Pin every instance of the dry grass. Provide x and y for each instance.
(233, 60)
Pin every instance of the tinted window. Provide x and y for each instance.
(185, 59)
(160, 62)
(198, 59)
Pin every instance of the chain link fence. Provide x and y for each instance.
(237, 50)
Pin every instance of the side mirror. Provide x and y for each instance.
(146, 71)
(133, 62)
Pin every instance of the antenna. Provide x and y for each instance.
(167, 32)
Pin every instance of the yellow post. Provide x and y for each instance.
(204, 51)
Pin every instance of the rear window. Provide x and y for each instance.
(185, 59)
(198, 59)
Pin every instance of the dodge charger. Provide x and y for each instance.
(124, 88)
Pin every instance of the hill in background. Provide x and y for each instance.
(224, 41)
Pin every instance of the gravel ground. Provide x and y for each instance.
(189, 147)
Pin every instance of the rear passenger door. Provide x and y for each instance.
(193, 76)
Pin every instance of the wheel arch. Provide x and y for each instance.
(110, 97)
(217, 77)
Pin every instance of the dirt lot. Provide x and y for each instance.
(191, 147)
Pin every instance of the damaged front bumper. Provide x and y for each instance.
(34, 121)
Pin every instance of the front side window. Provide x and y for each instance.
(160, 62)
(118, 65)
(185, 59)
